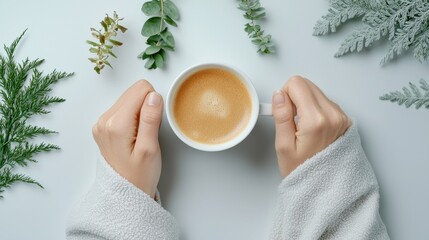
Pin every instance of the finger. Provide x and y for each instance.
(284, 120)
(130, 105)
(141, 88)
(150, 120)
(301, 95)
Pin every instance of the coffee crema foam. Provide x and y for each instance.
(212, 106)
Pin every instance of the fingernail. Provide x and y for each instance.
(278, 97)
(154, 99)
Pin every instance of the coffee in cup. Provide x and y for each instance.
(213, 107)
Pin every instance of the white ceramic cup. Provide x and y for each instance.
(257, 108)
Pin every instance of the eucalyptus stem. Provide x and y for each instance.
(159, 38)
(253, 12)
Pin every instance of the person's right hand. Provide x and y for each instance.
(320, 122)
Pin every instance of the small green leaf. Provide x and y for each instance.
(108, 64)
(171, 10)
(167, 47)
(163, 54)
(170, 21)
(140, 55)
(151, 8)
(102, 39)
(122, 28)
(93, 50)
(152, 50)
(93, 60)
(149, 63)
(259, 16)
(143, 56)
(114, 42)
(153, 40)
(92, 43)
(168, 38)
(159, 61)
(104, 25)
(107, 20)
(152, 27)
(112, 54)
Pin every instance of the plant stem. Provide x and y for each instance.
(162, 15)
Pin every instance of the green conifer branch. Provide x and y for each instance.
(410, 96)
(23, 93)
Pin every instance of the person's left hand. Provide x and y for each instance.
(127, 135)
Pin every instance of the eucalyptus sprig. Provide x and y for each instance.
(103, 49)
(254, 12)
(160, 39)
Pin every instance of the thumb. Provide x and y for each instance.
(285, 125)
(150, 119)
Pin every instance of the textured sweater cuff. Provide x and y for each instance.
(110, 181)
(344, 160)
(113, 184)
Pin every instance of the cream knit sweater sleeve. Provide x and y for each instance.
(115, 209)
(333, 195)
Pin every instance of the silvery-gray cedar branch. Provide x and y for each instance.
(410, 96)
(23, 93)
(405, 23)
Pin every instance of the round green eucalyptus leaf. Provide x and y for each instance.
(149, 63)
(159, 61)
(168, 38)
(171, 10)
(151, 8)
(170, 21)
(152, 26)
(152, 50)
(163, 54)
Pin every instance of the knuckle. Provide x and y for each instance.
(295, 81)
(111, 128)
(144, 84)
(283, 115)
(147, 152)
(320, 122)
(283, 148)
(336, 120)
(150, 117)
(101, 121)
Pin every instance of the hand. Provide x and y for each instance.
(320, 122)
(127, 135)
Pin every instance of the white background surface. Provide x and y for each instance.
(226, 195)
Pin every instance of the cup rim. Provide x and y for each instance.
(212, 147)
